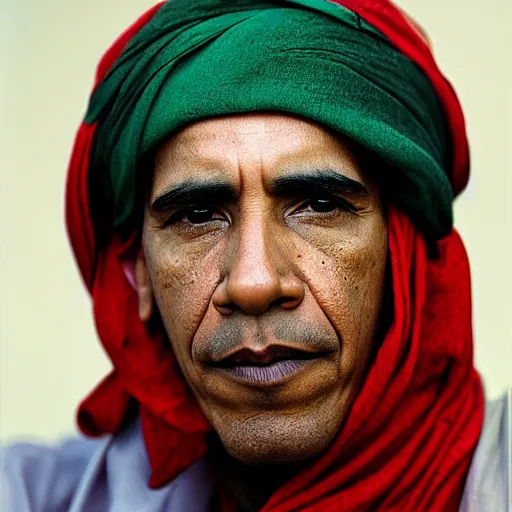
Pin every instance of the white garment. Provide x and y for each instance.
(489, 482)
(111, 474)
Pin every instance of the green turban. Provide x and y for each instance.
(310, 58)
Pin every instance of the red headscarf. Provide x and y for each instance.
(409, 437)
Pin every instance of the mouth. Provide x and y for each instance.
(272, 365)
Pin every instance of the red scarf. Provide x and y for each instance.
(409, 437)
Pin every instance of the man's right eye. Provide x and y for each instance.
(195, 217)
(198, 215)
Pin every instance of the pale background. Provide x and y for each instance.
(50, 357)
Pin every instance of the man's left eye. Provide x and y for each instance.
(322, 205)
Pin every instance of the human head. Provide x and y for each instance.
(255, 268)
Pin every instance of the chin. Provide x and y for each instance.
(273, 438)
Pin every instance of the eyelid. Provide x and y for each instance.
(340, 201)
(181, 212)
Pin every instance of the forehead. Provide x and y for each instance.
(274, 144)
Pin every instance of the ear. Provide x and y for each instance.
(144, 288)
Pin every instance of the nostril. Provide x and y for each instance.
(288, 302)
(221, 300)
(226, 309)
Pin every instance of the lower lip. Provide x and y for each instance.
(271, 373)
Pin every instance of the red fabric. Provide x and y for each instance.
(408, 439)
(78, 218)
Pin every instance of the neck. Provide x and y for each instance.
(249, 486)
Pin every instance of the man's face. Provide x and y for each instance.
(264, 249)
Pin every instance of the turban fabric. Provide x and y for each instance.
(360, 68)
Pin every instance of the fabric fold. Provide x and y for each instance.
(324, 64)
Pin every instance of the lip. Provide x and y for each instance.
(274, 364)
(267, 374)
(264, 357)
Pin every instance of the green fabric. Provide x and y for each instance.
(311, 58)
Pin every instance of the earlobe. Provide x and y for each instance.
(144, 288)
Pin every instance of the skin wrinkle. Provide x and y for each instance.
(264, 273)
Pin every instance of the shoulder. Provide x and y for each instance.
(81, 475)
(38, 477)
(489, 478)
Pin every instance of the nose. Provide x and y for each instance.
(259, 275)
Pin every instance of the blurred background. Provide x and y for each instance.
(49, 354)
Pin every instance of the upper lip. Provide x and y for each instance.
(270, 355)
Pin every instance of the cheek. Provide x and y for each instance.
(183, 282)
(346, 276)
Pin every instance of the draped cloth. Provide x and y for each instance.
(211, 58)
(408, 439)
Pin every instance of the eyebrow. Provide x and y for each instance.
(194, 192)
(318, 182)
(312, 183)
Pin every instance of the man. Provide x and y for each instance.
(259, 201)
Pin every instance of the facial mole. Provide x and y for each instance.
(323, 262)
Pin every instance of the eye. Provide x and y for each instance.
(200, 214)
(200, 218)
(327, 205)
(323, 204)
